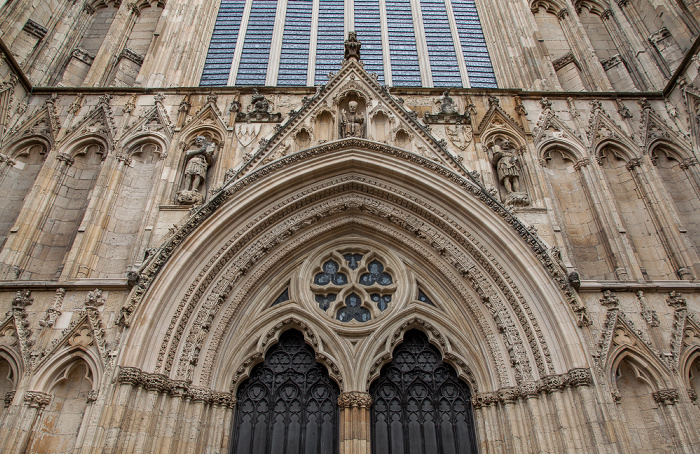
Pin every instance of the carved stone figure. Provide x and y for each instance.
(259, 103)
(447, 104)
(352, 47)
(199, 159)
(352, 124)
(507, 166)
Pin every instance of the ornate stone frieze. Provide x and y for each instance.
(552, 383)
(564, 60)
(354, 399)
(132, 56)
(177, 388)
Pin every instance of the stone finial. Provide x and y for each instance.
(94, 299)
(22, 299)
(352, 47)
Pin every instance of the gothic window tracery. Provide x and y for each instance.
(420, 406)
(288, 405)
(351, 286)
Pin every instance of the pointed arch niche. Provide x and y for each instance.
(680, 177)
(27, 158)
(58, 429)
(622, 174)
(75, 178)
(642, 417)
(572, 193)
(119, 245)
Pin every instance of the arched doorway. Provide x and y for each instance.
(420, 405)
(288, 405)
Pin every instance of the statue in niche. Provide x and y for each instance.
(352, 124)
(199, 159)
(505, 158)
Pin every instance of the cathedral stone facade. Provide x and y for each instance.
(356, 266)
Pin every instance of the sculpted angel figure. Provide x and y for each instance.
(507, 166)
(352, 124)
(199, 160)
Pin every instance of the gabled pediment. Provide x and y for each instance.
(98, 121)
(208, 115)
(653, 129)
(497, 119)
(602, 128)
(154, 121)
(41, 123)
(550, 127)
(383, 120)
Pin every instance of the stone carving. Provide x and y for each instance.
(259, 110)
(666, 396)
(504, 157)
(94, 299)
(54, 311)
(352, 47)
(447, 112)
(199, 159)
(352, 123)
(354, 399)
(37, 399)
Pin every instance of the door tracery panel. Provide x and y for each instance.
(288, 405)
(420, 405)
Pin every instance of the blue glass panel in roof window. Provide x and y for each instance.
(331, 39)
(223, 42)
(441, 49)
(256, 46)
(369, 32)
(295, 43)
(471, 37)
(402, 44)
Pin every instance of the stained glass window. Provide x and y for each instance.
(471, 37)
(256, 47)
(223, 42)
(368, 27)
(330, 46)
(294, 60)
(402, 44)
(441, 49)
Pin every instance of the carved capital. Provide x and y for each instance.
(687, 163)
(92, 395)
(480, 400)
(354, 399)
(633, 163)
(129, 375)
(65, 157)
(37, 399)
(665, 396)
(10, 395)
(580, 377)
(583, 162)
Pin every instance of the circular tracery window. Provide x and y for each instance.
(353, 286)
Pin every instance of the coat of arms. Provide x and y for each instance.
(247, 132)
(460, 135)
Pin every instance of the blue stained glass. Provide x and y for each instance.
(295, 43)
(256, 47)
(471, 36)
(223, 42)
(331, 39)
(402, 44)
(369, 33)
(441, 49)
